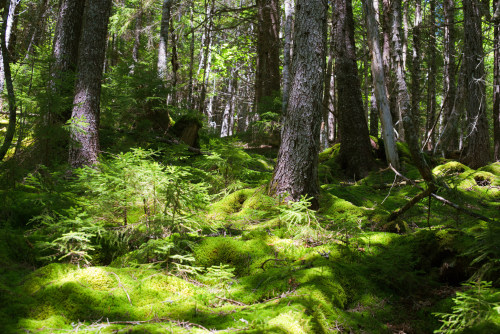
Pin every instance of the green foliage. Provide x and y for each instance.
(478, 303)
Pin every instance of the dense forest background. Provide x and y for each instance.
(304, 166)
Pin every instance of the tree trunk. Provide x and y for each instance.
(85, 116)
(449, 75)
(326, 93)
(373, 115)
(391, 152)
(404, 98)
(477, 150)
(137, 38)
(191, 58)
(206, 55)
(9, 17)
(232, 88)
(267, 76)
(496, 87)
(355, 150)
(415, 66)
(175, 63)
(296, 172)
(287, 48)
(431, 79)
(11, 128)
(163, 46)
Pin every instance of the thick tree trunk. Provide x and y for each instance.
(296, 172)
(391, 152)
(65, 53)
(267, 76)
(477, 150)
(11, 128)
(163, 46)
(85, 116)
(355, 150)
(287, 48)
(496, 87)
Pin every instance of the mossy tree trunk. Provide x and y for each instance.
(296, 172)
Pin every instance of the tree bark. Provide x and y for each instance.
(11, 128)
(431, 78)
(85, 116)
(296, 172)
(287, 49)
(267, 76)
(477, 150)
(415, 65)
(379, 86)
(449, 76)
(355, 149)
(163, 46)
(496, 87)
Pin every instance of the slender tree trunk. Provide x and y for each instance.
(191, 58)
(404, 98)
(175, 63)
(11, 128)
(163, 46)
(137, 38)
(296, 172)
(9, 17)
(355, 150)
(85, 117)
(406, 4)
(431, 79)
(449, 75)
(415, 65)
(373, 115)
(206, 55)
(496, 87)
(267, 76)
(326, 93)
(477, 150)
(289, 12)
(391, 152)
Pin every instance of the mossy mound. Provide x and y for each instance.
(493, 168)
(243, 205)
(244, 256)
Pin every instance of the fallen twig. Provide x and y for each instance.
(121, 285)
(235, 302)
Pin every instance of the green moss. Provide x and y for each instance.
(493, 168)
(329, 153)
(244, 256)
(291, 322)
(450, 168)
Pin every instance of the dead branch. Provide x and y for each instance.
(121, 285)
(235, 302)
(439, 198)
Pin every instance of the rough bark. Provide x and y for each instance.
(373, 115)
(415, 65)
(206, 55)
(477, 150)
(228, 115)
(355, 149)
(175, 63)
(267, 76)
(496, 87)
(287, 48)
(85, 116)
(163, 46)
(296, 172)
(9, 14)
(11, 128)
(449, 72)
(431, 79)
(379, 85)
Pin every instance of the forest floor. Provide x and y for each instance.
(253, 265)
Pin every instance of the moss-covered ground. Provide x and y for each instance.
(248, 267)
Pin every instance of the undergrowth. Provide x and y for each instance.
(155, 241)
